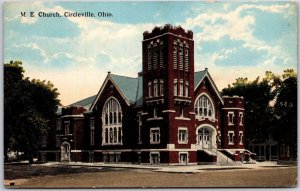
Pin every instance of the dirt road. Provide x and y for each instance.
(115, 178)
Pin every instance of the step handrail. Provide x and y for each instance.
(215, 150)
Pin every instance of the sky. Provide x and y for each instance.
(232, 39)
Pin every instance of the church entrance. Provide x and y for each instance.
(206, 137)
(65, 151)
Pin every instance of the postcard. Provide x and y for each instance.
(155, 94)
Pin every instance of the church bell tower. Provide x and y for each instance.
(168, 82)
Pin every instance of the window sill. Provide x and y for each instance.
(183, 118)
(179, 142)
(154, 119)
(154, 143)
(200, 118)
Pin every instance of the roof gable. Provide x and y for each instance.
(86, 103)
(199, 77)
(131, 89)
(128, 86)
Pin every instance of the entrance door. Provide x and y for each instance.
(65, 151)
(154, 158)
(183, 158)
(204, 138)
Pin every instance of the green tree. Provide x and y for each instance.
(257, 95)
(285, 111)
(29, 110)
(270, 107)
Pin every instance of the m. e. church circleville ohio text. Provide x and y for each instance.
(66, 14)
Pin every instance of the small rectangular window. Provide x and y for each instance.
(241, 137)
(181, 112)
(230, 116)
(67, 128)
(92, 131)
(155, 87)
(161, 87)
(182, 135)
(154, 135)
(175, 87)
(230, 137)
(154, 113)
(149, 89)
(181, 88)
(186, 89)
(241, 118)
(140, 123)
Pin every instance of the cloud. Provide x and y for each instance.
(81, 62)
(77, 60)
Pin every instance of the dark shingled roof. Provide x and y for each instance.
(199, 76)
(86, 103)
(127, 85)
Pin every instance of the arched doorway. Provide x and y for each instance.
(206, 137)
(65, 151)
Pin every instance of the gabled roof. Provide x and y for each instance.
(131, 89)
(139, 94)
(86, 103)
(129, 86)
(200, 75)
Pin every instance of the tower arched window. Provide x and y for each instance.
(175, 56)
(204, 107)
(181, 57)
(149, 58)
(155, 57)
(161, 56)
(112, 122)
(186, 66)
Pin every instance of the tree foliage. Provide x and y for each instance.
(270, 107)
(29, 109)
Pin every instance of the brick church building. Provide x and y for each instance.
(169, 114)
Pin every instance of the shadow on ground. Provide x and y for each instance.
(25, 171)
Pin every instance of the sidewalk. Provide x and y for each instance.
(170, 169)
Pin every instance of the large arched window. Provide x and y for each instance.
(112, 122)
(204, 107)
